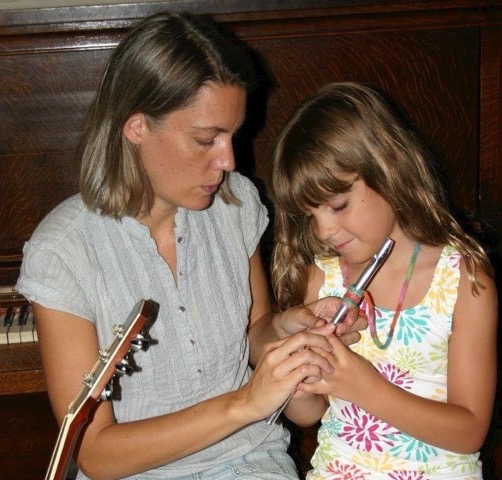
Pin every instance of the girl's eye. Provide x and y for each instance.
(339, 208)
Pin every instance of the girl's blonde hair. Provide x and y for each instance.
(156, 69)
(349, 129)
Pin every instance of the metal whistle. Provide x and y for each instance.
(365, 277)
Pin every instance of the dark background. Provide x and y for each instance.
(439, 61)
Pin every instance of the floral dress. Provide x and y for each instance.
(355, 445)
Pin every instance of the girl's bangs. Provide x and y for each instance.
(308, 186)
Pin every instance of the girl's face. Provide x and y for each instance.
(354, 223)
(186, 156)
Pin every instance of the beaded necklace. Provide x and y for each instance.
(371, 305)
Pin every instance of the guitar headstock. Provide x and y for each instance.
(112, 360)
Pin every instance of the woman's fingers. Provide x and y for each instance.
(286, 363)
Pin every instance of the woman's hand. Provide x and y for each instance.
(319, 313)
(283, 365)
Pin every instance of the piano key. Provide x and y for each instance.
(26, 331)
(13, 334)
(5, 324)
(31, 321)
(17, 325)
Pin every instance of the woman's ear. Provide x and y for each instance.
(134, 128)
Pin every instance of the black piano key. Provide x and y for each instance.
(8, 320)
(23, 315)
(9, 317)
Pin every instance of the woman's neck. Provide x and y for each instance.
(161, 223)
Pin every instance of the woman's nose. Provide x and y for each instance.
(226, 160)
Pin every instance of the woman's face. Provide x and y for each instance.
(186, 156)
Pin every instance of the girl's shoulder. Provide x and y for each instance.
(443, 290)
(449, 260)
(333, 277)
(327, 264)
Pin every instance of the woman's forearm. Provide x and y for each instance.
(119, 450)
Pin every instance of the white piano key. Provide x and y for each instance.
(7, 316)
(26, 329)
(13, 334)
(33, 327)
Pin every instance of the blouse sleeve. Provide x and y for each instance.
(252, 213)
(49, 277)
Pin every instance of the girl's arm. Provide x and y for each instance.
(111, 450)
(459, 425)
(307, 409)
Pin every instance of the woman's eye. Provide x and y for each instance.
(205, 143)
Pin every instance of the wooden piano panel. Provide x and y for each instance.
(441, 61)
(431, 74)
(44, 96)
(28, 428)
(28, 435)
(491, 126)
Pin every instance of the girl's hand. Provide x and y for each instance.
(319, 313)
(283, 365)
(353, 377)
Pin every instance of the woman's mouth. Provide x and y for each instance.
(210, 189)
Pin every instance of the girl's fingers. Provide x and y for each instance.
(305, 357)
(311, 339)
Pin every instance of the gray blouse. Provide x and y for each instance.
(97, 267)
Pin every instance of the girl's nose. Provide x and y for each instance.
(325, 226)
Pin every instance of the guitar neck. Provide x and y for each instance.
(65, 443)
(76, 417)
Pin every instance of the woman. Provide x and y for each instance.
(161, 215)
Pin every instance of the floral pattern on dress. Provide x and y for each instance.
(413, 324)
(384, 462)
(339, 471)
(410, 360)
(354, 444)
(365, 431)
(395, 375)
(461, 462)
(412, 449)
(438, 356)
(405, 475)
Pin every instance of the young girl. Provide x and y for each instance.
(413, 399)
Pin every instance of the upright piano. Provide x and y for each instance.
(440, 61)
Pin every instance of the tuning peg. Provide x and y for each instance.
(106, 394)
(138, 343)
(123, 367)
(88, 380)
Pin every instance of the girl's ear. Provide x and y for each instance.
(134, 128)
